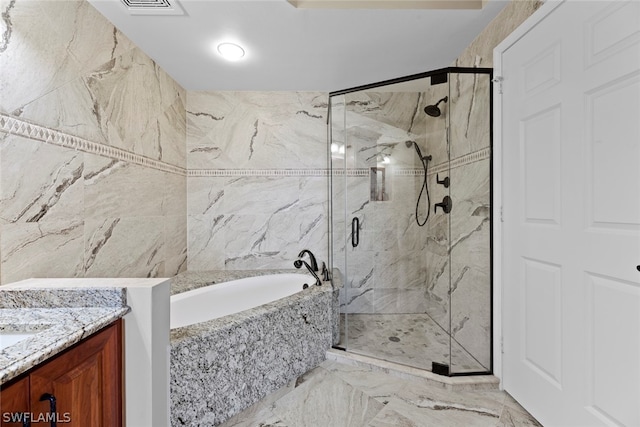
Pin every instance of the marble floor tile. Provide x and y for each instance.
(389, 417)
(435, 414)
(378, 385)
(336, 394)
(323, 399)
(514, 415)
(249, 417)
(409, 339)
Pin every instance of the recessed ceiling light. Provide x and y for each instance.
(230, 51)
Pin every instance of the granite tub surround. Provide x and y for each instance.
(92, 149)
(338, 394)
(58, 318)
(257, 181)
(190, 280)
(221, 366)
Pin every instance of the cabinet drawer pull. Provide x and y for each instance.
(52, 407)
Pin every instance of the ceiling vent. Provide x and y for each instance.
(153, 7)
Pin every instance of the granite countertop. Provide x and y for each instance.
(54, 319)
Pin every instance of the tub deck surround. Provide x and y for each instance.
(187, 281)
(190, 280)
(60, 318)
(221, 366)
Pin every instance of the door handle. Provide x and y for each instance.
(355, 232)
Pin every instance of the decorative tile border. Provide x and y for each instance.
(467, 159)
(362, 172)
(227, 173)
(19, 127)
(256, 172)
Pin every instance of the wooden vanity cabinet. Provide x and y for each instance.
(14, 399)
(80, 387)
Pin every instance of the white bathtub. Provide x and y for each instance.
(222, 299)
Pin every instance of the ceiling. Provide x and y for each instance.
(298, 49)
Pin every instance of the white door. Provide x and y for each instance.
(570, 144)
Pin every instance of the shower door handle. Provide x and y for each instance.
(355, 232)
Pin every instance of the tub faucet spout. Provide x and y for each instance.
(312, 258)
(300, 262)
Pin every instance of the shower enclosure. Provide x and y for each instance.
(410, 224)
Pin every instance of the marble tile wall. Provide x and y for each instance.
(470, 315)
(479, 53)
(92, 149)
(458, 256)
(257, 184)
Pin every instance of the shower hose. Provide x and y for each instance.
(424, 189)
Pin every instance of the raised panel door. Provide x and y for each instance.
(14, 403)
(81, 387)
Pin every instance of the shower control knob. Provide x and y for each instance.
(446, 205)
(445, 181)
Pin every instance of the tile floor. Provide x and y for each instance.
(337, 394)
(409, 339)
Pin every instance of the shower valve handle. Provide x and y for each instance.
(446, 205)
(444, 181)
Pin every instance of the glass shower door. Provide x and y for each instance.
(387, 235)
(410, 194)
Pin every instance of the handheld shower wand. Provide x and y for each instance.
(425, 187)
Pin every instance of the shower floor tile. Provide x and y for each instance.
(409, 339)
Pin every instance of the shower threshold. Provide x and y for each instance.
(469, 382)
(414, 340)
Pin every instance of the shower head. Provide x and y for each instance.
(409, 143)
(433, 110)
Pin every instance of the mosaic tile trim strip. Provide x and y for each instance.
(359, 172)
(467, 159)
(256, 172)
(351, 172)
(19, 127)
(476, 156)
